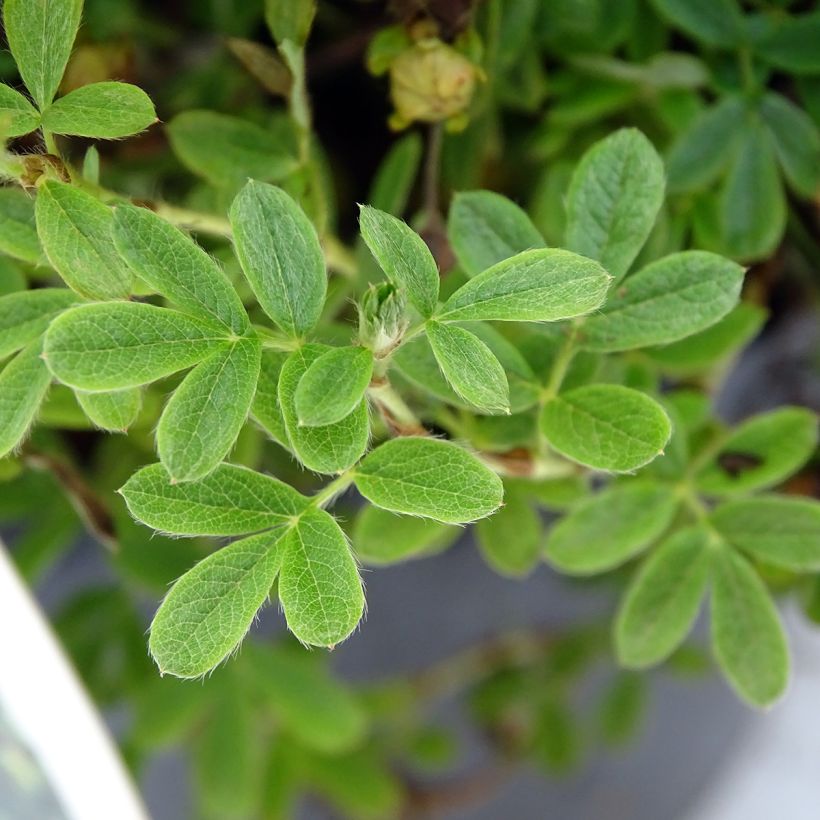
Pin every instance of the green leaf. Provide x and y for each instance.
(761, 452)
(431, 478)
(232, 500)
(622, 708)
(281, 256)
(395, 176)
(76, 231)
(333, 447)
(107, 110)
(538, 286)
(703, 151)
(175, 266)
(403, 255)
(510, 540)
(17, 114)
(319, 585)
(606, 427)
(775, 529)
(726, 337)
(227, 151)
(23, 385)
(312, 705)
(202, 419)
(792, 44)
(485, 228)
(333, 386)
(752, 204)
(209, 609)
(607, 529)
(615, 195)
(25, 315)
(747, 637)
(470, 367)
(115, 410)
(667, 300)
(265, 408)
(381, 537)
(125, 344)
(18, 234)
(712, 22)
(290, 19)
(796, 142)
(663, 599)
(40, 35)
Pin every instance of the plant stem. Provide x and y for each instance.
(399, 417)
(432, 174)
(332, 490)
(560, 366)
(50, 142)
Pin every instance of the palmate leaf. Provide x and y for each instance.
(106, 110)
(281, 256)
(536, 286)
(126, 344)
(175, 266)
(23, 385)
(40, 35)
(26, 314)
(232, 500)
(606, 427)
(18, 115)
(208, 611)
(202, 419)
(75, 229)
(319, 584)
(427, 477)
(114, 410)
(485, 228)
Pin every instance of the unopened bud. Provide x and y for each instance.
(382, 320)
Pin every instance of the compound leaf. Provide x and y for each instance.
(606, 427)
(281, 256)
(75, 229)
(175, 266)
(319, 585)
(539, 286)
(126, 344)
(431, 478)
(209, 609)
(26, 314)
(202, 419)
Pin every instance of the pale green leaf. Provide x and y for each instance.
(538, 285)
(667, 300)
(779, 530)
(485, 228)
(41, 34)
(606, 427)
(265, 408)
(747, 637)
(615, 195)
(26, 314)
(23, 385)
(75, 229)
(115, 410)
(175, 266)
(290, 19)
(232, 500)
(333, 386)
(17, 115)
(381, 537)
(106, 110)
(428, 477)
(704, 149)
(126, 344)
(281, 256)
(470, 367)
(403, 255)
(209, 609)
(607, 529)
(769, 448)
(18, 233)
(312, 705)
(333, 447)
(202, 419)
(227, 151)
(319, 585)
(663, 599)
(510, 540)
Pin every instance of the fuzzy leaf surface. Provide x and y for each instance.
(26, 314)
(18, 114)
(18, 232)
(114, 410)
(23, 385)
